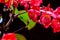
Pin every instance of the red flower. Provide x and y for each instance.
(55, 25)
(8, 3)
(48, 8)
(22, 2)
(1, 1)
(45, 19)
(15, 3)
(36, 2)
(57, 12)
(26, 6)
(33, 14)
(35, 7)
(9, 36)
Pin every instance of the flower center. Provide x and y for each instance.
(6, 0)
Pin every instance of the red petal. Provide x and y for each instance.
(45, 19)
(26, 6)
(15, 3)
(8, 36)
(55, 25)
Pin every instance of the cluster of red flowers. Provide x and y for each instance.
(48, 16)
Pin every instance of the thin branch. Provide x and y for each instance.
(19, 29)
(8, 23)
(11, 18)
(16, 15)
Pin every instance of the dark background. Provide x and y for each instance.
(38, 32)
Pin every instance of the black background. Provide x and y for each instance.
(38, 32)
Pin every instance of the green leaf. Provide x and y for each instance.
(31, 25)
(20, 37)
(22, 11)
(24, 17)
(16, 11)
(12, 8)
